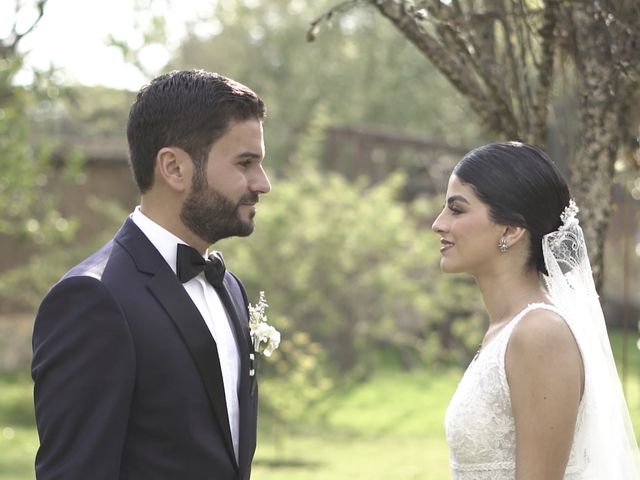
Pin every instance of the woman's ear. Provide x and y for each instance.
(173, 168)
(513, 235)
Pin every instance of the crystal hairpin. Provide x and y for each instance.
(568, 216)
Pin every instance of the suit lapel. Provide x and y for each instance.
(170, 293)
(235, 304)
(236, 311)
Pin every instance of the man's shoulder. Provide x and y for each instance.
(106, 273)
(108, 257)
(94, 265)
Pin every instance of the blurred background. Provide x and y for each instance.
(369, 108)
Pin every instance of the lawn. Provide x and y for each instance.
(389, 427)
(18, 439)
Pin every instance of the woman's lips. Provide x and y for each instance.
(446, 245)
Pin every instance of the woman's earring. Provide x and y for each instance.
(503, 246)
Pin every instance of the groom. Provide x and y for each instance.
(141, 352)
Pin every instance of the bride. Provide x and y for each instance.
(541, 399)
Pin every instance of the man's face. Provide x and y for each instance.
(222, 202)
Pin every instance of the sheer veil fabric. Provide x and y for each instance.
(607, 436)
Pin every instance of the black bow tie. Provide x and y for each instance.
(190, 263)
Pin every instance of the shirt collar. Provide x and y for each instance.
(161, 238)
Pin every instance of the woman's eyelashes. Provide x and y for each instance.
(454, 209)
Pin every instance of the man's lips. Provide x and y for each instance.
(248, 207)
(249, 200)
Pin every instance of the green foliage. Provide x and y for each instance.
(23, 287)
(355, 269)
(311, 143)
(88, 115)
(325, 255)
(29, 208)
(28, 200)
(35, 172)
(300, 365)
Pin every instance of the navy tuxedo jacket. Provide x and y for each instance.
(127, 377)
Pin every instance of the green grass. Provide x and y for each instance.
(389, 427)
(631, 376)
(18, 438)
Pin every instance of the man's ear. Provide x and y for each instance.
(174, 168)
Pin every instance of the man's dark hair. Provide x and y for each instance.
(521, 186)
(189, 109)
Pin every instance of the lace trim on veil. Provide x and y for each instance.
(607, 435)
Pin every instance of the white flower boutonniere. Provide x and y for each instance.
(265, 338)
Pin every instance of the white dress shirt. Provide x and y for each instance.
(210, 307)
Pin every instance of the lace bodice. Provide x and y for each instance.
(479, 422)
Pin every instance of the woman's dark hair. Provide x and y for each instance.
(521, 186)
(189, 109)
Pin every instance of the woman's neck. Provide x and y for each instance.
(505, 295)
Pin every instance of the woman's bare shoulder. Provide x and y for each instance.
(542, 330)
(543, 343)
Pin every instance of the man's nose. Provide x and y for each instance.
(261, 182)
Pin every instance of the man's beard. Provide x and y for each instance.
(212, 216)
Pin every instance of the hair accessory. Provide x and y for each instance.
(568, 216)
(503, 246)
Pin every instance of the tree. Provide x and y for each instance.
(33, 175)
(506, 57)
(9, 42)
(29, 210)
(258, 43)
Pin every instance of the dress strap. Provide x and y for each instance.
(530, 308)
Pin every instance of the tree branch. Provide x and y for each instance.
(468, 51)
(326, 17)
(491, 110)
(9, 44)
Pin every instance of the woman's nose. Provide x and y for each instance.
(437, 225)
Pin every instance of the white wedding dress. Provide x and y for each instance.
(479, 422)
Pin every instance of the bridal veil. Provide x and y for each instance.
(607, 436)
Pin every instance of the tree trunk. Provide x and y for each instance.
(592, 169)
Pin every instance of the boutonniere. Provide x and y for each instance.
(265, 338)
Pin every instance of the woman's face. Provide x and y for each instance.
(469, 236)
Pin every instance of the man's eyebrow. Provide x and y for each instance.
(249, 154)
(458, 198)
